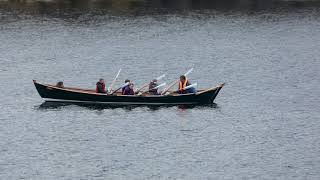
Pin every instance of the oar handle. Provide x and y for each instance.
(145, 85)
(170, 86)
(119, 88)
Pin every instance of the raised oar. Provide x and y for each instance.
(120, 88)
(175, 82)
(146, 84)
(163, 84)
(114, 80)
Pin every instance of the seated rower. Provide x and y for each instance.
(129, 90)
(101, 86)
(184, 82)
(124, 87)
(60, 84)
(152, 89)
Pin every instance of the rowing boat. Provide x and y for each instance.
(76, 95)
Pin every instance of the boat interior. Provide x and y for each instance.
(118, 93)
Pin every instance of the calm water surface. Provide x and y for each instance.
(265, 124)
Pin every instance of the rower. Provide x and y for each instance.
(127, 81)
(101, 86)
(60, 84)
(129, 89)
(152, 87)
(184, 82)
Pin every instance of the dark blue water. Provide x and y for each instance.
(265, 124)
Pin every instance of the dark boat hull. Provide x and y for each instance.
(52, 93)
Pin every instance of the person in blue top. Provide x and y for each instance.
(124, 87)
(128, 90)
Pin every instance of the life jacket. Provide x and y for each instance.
(182, 86)
(102, 85)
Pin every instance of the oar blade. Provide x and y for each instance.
(161, 77)
(163, 84)
(191, 86)
(188, 72)
(125, 84)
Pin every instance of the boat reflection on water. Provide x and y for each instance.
(59, 105)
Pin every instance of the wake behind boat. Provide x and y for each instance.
(77, 95)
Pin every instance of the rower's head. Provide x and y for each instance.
(127, 81)
(60, 84)
(131, 85)
(182, 78)
(101, 80)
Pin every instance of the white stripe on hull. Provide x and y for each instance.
(123, 103)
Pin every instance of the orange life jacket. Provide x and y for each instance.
(182, 86)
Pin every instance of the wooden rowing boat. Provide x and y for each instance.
(76, 95)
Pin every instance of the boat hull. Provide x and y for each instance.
(52, 93)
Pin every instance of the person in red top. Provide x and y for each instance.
(101, 86)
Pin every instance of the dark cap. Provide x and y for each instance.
(182, 77)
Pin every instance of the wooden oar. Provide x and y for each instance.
(120, 88)
(114, 80)
(163, 84)
(175, 82)
(146, 84)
